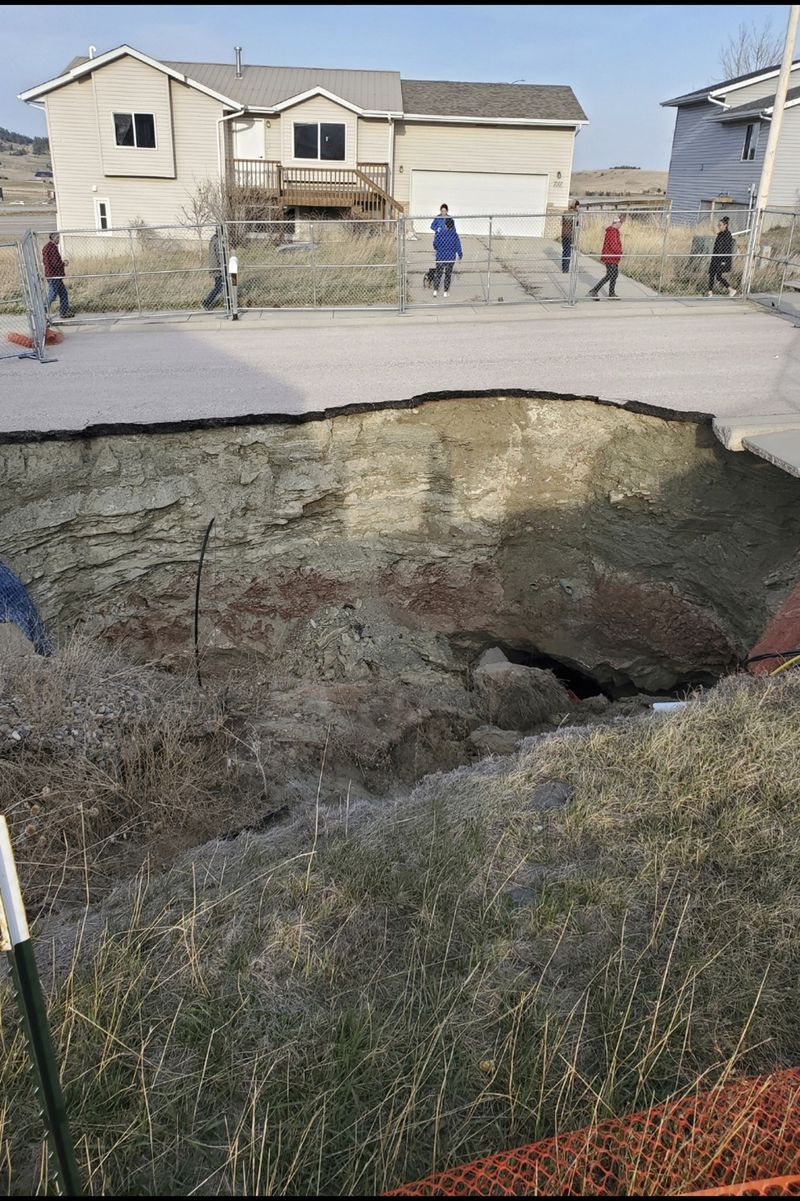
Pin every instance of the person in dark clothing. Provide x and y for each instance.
(568, 234)
(447, 245)
(214, 270)
(54, 268)
(721, 257)
(610, 256)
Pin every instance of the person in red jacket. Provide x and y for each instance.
(54, 267)
(611, 255)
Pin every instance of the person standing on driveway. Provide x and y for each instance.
(438, 222)
(568, 234)
(721, 257)
(214, 270)
(54, 268)
(447, 245)
(610, 255)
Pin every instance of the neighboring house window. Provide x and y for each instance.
(320, 141)
(135, 129)
(102, 215)
(750, 143)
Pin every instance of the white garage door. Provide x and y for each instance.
(484, 194)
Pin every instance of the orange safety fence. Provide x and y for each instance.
(51, 337)
(746, 1131)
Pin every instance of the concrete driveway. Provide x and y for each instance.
(728, 360)
(507, 270)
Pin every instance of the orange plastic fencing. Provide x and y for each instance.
(51, 337)
(745, 1131)
(779, 1186)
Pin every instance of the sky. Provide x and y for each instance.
(620, 60)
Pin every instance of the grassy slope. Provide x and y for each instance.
(361, 997)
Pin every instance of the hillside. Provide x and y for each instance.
(20, 158)
(619, 181)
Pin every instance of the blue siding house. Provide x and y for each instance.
(720, 138)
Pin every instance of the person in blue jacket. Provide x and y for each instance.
(438, 222)
(447, 246)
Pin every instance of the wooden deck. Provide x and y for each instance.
(363, 188)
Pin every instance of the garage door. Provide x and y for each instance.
(484, 194)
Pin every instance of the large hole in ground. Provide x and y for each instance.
(362, 562)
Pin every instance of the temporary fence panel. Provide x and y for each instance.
(775, 268)
(316, 264)
(141, 271)
(747, 1130)
(507, 258)
(15, 318)
(665, 253)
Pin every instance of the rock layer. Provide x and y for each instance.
(632, 546)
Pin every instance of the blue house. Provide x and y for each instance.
(720, 138)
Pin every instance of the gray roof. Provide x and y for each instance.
(383, 91)
(755, 107)
(531, 102)
(264, 87)
(701, 93)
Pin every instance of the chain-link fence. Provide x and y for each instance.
(775, 266)
(316, 264)
(561, 258)
(664, 253)
(135, 272)
(16, 333)
(503, 259)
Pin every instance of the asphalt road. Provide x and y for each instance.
(728, 363)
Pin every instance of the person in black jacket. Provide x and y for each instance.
(721, 257)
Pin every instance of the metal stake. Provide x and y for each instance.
(16, 942)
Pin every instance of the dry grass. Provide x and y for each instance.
(167, 270)
(102, 762)
(367, 995)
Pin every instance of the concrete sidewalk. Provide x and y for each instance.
(723, 359)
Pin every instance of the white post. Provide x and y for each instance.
(777, 108)
(765, 183)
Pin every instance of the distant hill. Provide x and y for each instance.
(20, 143)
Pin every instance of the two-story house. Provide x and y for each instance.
(131, 139)
(719, 142)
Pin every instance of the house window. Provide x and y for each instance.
(320, 141)
(102, 215)
(750, 143)
(137, 130)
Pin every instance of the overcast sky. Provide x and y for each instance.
(621, 60)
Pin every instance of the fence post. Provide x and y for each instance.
(135, 276)
(400, 243)
(572, 281)
(749, 262)
(787, 259)
(313, 266)
(667, 215)
(225, 258)
(489, 263)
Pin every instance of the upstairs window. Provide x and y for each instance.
(750, 143)
(137, 130)
(320, 141)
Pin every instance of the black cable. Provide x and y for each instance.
(197, 602)
(772, 655)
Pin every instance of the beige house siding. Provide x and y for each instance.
(128, 86)
(374, 141)
(318, 108)
(443, 147)
(78, 167)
